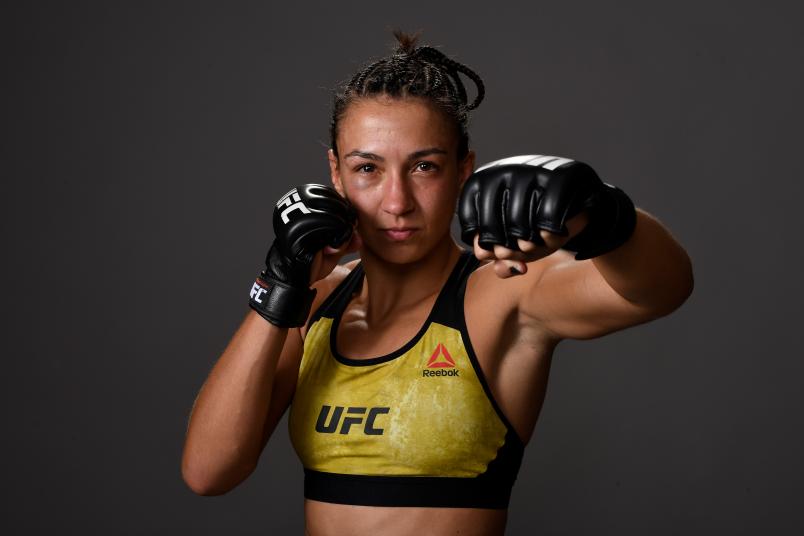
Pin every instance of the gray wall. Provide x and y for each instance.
(144, 144)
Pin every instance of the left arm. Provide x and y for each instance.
(629, 270)
(647, 277)
(651, 269)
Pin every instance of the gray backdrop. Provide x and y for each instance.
(144, 144)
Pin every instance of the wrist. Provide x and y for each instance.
(281, 304)
(612, 220)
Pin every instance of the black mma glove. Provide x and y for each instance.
(306, 219)
(516, 197)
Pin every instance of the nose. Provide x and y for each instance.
(397, 198)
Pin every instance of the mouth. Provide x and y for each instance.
(399, 234)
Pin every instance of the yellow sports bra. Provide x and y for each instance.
(416, 427)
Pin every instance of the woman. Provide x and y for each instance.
(416, 373)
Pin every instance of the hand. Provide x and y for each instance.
(327, 259)
(307, 220)
(511, 263)
(520, 209)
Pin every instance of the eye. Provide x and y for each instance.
(426, 166)
(364, 168)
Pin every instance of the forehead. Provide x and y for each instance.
(388, 124)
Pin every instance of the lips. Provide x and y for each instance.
(399, 234)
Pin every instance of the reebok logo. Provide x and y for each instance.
(440, 360)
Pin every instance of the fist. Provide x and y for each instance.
(521, 209)
(311, 222)
(307, 220)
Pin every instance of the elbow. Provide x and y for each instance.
(198, 482)
(689, 288)
(686, 284)
(207, 482)
(678, 293)
(199, 486)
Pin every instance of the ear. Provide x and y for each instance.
(334, 172)
(466, 167)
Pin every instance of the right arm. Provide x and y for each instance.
(230, 423)
(251, 385)
(246, 394)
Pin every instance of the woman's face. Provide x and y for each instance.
(398, 167)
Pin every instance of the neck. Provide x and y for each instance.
(393, 287)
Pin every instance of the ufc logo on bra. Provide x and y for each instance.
(349, 421)
(292, 201)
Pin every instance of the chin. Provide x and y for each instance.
(396, 253)
(403, 252)
(400, 255)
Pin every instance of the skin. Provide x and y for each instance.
(398, 166)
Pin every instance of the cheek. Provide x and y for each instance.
(446, 195)
(440, 208)
(364, 202)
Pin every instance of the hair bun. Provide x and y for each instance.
(407, 42)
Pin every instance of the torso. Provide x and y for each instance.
(327, 519)
(514, 357)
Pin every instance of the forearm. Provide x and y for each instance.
(225, 431)
(650, 269)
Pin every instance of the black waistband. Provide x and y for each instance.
(423, 491)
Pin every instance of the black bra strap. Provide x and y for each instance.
(446, 306)
(338, 299)
(448, 309)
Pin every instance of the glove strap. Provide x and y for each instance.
(279, 303)
(612, 221)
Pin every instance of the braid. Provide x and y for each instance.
(413, 72)
(438, 57)
(360, 78)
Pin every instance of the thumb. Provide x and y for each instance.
(327, 259)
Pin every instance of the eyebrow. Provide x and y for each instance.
(418, 154)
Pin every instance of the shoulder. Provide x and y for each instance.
(326, 286)
(485, 281)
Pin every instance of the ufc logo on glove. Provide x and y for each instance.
(256, 291)
(292, 201)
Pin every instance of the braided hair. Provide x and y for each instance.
(413, 71)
